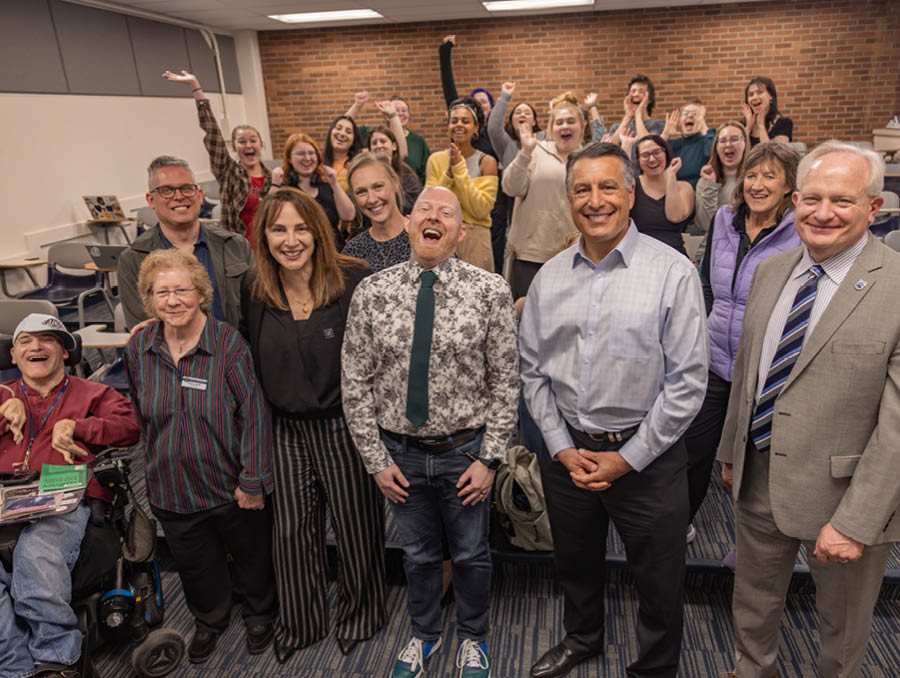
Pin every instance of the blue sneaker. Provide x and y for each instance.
(472, 660)
(411, 662)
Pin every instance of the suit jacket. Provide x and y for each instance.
(835, 452)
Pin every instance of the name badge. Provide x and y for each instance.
(194, 383)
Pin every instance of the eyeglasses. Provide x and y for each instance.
(179, 292)
(303, 154)
(734, 141)
(658, 153)
(166, 191)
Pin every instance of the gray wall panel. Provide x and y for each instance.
(96, 50)
(28, 49)
(159, 47)
(229, 64)
(203, 62)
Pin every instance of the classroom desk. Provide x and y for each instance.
(120, 224)
(25, 264)
(93, 336)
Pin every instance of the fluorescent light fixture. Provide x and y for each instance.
(313, 17)
(513, 5)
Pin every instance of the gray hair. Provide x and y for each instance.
(873, 160)
(164, 161)
(601, 149)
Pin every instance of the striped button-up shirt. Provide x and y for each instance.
(620, 343)
(836, 269)
(204, 419)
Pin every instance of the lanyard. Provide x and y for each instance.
(32, 433)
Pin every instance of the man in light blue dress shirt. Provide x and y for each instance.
(614, 356)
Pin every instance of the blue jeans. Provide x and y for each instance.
(432, 501)
(36, 622)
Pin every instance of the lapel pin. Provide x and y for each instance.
(860, 284)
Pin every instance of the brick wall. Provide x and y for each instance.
(836, 63)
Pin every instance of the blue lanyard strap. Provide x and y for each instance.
(32, 433)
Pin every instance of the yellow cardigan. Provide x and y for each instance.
(476, 196)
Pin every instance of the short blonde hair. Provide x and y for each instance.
(166, 260)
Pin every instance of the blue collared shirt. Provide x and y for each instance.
(612, 345)
(201, 251)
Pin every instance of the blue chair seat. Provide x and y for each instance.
(64, 288)
(116, 376)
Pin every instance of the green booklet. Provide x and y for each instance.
(56, 478)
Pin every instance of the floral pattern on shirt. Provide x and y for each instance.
(473, 368)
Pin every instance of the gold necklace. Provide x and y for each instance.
(305, 305)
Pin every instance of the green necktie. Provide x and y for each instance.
(417, 388)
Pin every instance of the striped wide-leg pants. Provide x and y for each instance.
(316, 466)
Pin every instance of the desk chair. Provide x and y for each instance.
(892, 240)
(67, 290)
(885, 223)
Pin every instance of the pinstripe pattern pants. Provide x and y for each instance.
(316, 466)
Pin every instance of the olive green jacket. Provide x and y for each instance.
(231, 256)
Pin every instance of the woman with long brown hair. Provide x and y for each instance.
(294, 313)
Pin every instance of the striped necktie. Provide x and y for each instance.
(786, 354)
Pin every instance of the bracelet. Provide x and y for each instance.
(392, 116)
(196, 89)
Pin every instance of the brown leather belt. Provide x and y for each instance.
(436, 444)
(613, 439)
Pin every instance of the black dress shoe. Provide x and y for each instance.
(283, 652)
(557, 661)
(202, 645)
(259, 636)
(346, 645)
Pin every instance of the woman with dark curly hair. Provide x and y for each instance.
(760, 109)
(472, 175)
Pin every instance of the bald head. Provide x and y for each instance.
(435, 226)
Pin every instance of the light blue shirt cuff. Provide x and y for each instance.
(636, 453)
(558, 440)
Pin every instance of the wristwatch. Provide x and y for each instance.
(492, 464)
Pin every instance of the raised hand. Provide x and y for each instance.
(674, 166)
(672, 120)
(707, 172)
(591, 99)
(361, 98)
(527, 138)
(13, 410)
(449, 38)
(277, 176)
(330, 175)
(508, 87)
(629, 107)
(455, 155)
(627, 138)
(749, 116)
(184, 77)
(386, 108)
(641, 109)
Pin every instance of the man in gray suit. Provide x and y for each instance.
(811, 440)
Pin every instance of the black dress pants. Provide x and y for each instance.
(649, 510)
(199, 543)
(702, 440)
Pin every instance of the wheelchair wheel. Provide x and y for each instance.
(159, 654)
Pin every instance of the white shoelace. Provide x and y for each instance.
(471, 654)
(413, 654)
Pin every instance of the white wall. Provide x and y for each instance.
(57, 148)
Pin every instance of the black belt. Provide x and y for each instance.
(610, 440)
(436, 444)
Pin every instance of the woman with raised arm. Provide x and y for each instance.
(294, 310)
(342, 143)
(537, 179)
(663, 205)
(302, 167)
(391, 120)
(472, 175)
(504, 135)
(375, 188)
(760, 109)
(718, 176)
(242, 183)
(383, 142)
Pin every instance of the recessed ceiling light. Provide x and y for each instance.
(312, 17)
(512, 5)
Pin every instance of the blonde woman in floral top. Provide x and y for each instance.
(242, 182)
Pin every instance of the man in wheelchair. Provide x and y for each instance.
(50, 417)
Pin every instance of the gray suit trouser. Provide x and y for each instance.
(845, 592)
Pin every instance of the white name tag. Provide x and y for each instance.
(193, 382)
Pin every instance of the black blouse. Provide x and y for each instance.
(298, 362)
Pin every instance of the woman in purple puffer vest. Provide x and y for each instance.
(757, 224)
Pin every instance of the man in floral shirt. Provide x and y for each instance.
(430, 387)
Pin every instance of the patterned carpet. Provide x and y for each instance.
(526, 619)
